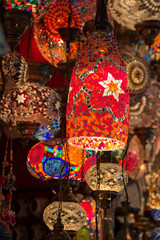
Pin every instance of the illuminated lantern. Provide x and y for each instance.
(111, 178)
(83, 233)
(155, 214)
(48, 40)
(35, 7)
(47, 159)
(154, 190)
(15, 70)
(32, 104)
(73, 215)
(98, 101)
(156, 48)
(48, 132)
(87, 164)
(88, 208)
(155, 234)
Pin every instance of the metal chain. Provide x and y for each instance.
(97, 194)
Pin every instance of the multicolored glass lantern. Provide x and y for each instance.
(87, 164)
(155, 234)
(48, 132)
(35, 7)
(128, 13)
(111, 178)
(54, 50)
(154, 190)
(156, 48)
(73, 215)
(144, 50)
(52, 47)
(96, 117)
(31, 103)
(155, 214)
(15, 70)
(83, 233)
(47, 159)
(138, 73)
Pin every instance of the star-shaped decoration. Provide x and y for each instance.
(57, 105)
(112, 87)
(20, 98)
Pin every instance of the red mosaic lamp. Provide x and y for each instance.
(98, 101)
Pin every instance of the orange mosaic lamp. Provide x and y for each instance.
(98, 100)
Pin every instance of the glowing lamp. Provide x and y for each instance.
(98, 101)
(155, 234)
(130, 162)
(73, 215)
(50, 159)
(48, 131)
(111, 178)
(88, 208)
(15, 70)
(31, 102)
(87, 164)
(35, 7)
(155, 214)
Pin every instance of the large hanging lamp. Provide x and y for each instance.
(98, 101)
(51, 159)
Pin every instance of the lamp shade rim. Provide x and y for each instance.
(96, 143)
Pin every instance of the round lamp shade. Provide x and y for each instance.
(155, 234)
(83, 233)
(98, 101)
(111, 178)
(50, 159)
(48, 131)
(73, 216)
(36, 7)
(154, 190)
(138, 73)
(155, 214)
(15, 70)
(31, 102)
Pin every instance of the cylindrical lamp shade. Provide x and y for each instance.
(155, 234)
(31, 102)
(155, 214)
(111, 178)
(15, 70)
(73, 216)
(50, 159)
(98, 101)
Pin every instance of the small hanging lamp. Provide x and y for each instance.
(98, 100)
(72, 214)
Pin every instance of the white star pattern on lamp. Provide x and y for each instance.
(57, 105)
(112, 87)
(20, 98)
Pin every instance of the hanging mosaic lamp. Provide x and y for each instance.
(58, 233)
(84, 168)
(83, 233)
(31, 104)
(154, 190)
(35, 7)
(72, 214)
(129, 13)
(156, 48)
(111, 178)
(155, 234)
(50, 159)
(155, 213)
(15, 70)
(54, 50)
(96, 117)
(138, 73)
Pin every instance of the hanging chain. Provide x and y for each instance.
(97, 194)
